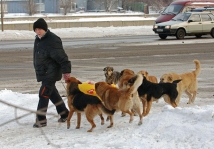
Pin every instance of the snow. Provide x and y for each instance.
(80, 32)
(184, 127)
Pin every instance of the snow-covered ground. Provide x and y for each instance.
(189, 127)
(184, 127)
(79, 32)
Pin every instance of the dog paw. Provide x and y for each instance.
(90, 130)
(123, 114)
(135, 114)
(144, 114)
(110, 126)
(68, 125)
(140, 123)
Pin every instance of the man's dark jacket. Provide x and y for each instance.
(50, 59)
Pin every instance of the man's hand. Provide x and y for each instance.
(66, 76)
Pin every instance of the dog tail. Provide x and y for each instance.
(105, 110)
(197, 70)
(137, 81)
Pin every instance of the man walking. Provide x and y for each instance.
(50, 63)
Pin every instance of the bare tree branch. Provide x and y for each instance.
(66, 5)
(30, 7)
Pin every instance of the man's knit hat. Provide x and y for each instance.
(40, 23)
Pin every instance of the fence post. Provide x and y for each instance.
(2, 15)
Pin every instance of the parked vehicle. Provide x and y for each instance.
(181, 6)
(187, 24)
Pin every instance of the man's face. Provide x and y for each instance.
(40, 32)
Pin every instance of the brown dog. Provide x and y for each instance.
(80, 102)
(188, 84)
(121, 99)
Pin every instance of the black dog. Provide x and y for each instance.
(149, 91)
(81, 102)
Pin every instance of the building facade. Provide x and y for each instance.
(43, 6)
(53, 6)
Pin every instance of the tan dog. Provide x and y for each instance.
(188, 84)
(125, 76)
(149, 78)
(121, 99)
(80, 102)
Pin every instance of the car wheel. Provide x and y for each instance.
(180, 34)
(212, 33)
(162, 36)
(198, 35)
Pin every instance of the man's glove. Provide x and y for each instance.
(66, 76)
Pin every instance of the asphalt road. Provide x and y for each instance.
(88, 61)
(80, 42)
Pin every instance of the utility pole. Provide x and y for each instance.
(2, 15)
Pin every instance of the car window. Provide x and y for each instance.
(205, 17)
(212, 16)
(181, 17)
(172, 9)
(186, 9)
(195, 18)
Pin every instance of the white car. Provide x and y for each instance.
(187, 24)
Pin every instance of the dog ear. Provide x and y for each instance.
(111, 68)
(146, 73)
(132, 80)
(96, 85)
(169, 78)
(121, 73)
(104, 69)
(133, 72)
(161, 80)
(177, 81)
